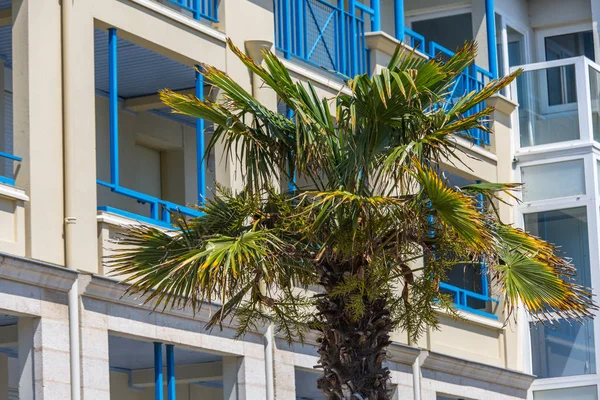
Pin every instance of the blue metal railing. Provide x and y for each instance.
(473, 78)
(463, 296)
(201, 9)
(160, 210)
(331, 36)
(6, 179)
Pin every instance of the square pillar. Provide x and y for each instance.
(243, 378)
(37, 115)
(43, 359)
(95, 365)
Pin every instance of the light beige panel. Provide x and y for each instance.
(468, 341)
(12, 224)
(547, 13)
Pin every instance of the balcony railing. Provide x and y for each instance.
(559, 103)
(11, 159)
(326, 35)
(200, 9)
(332, 36)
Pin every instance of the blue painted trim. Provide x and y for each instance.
(399, 19)
(158, 371)
(200, 162)
(490, 16)
(113, 106)
(414, 36)
(10, 156)
(201, 9)
(171, 383)
(376, 9)
(6, 180)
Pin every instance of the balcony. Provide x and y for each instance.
(333, 36)
(201, 10)
(559, 104)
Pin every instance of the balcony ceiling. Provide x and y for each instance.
(141, 71)
(135, 354)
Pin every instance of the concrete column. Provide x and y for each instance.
(235, 21)
(243, 378)
(95, 365)
(79, 136)
(3, 377)
(502, 128)
(480, 32)
(285, 375)
(37, 97)
(43, 359)
(230, 378)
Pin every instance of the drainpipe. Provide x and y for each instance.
(269, 370)
(254, 49)
(416, 373)
(73, 296)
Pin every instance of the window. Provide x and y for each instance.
(566, 348)
(561, 81)
(579, 393)
(540, 181)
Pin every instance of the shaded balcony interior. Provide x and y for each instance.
(134, 365)
(9, 357)
(146, 156)
(9, 161)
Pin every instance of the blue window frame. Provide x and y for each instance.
(160, 210)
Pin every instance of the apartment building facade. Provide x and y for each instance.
(87, 148)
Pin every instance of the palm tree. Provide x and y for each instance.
(376, 225)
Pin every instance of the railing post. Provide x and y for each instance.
(300, 50)
(353, 39)
(287, 26)
(490, 17)
(113, 106)
(399, 19)
(342, 37)
(200, 164)
(171, 388)
(376, 6)
(158, 371)
(196, 9)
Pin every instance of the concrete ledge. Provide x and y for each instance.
(181, 18)
(12, 192)
(36, 273)
(388, 44)
(477, 371)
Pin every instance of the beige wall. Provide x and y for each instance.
(40, 119)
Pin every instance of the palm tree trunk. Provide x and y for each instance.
(352, 353)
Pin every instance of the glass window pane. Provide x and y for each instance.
(563, 349)
(543, 115)
(579, 393)
(540, 181)
(568, 230)
(451, 32)
(561, 81)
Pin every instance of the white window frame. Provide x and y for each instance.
(540, 37)
(591, 201)
(507, 21)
